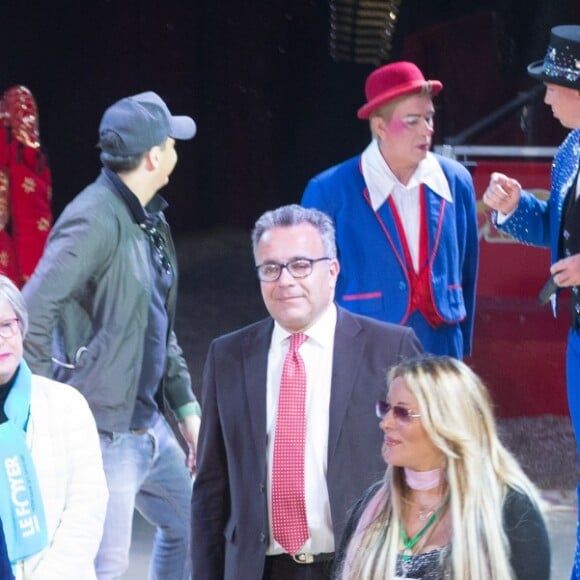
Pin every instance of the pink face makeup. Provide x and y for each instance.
(397, 126)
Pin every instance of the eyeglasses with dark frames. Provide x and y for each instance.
(400, 413)
(9, 327)
(297, 268)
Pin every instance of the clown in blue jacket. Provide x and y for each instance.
(405, 218)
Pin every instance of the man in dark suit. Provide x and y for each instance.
(345, 357)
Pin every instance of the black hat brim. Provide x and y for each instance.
(536, 71)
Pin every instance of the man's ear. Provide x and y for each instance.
(378, 125)
(152, 158)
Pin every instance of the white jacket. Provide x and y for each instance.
(64, 443)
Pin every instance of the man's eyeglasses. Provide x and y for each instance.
(297, 267)
(161, 259)
(401, 414)
(8, 328)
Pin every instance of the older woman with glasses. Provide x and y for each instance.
(53, 492)
(454, 503)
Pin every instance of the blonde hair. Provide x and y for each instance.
(457, 415)
(386, 110)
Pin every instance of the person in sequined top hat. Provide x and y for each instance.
(554, 223)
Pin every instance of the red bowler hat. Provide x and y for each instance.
(391, 81)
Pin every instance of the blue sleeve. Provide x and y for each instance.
(314, 197)
(530, 222)
(469, 256)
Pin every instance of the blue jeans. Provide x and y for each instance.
(146, 472)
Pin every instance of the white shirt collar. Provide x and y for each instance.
(322, 331)
(381, 181)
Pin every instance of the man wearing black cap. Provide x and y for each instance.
(554, 223)
(102, 305)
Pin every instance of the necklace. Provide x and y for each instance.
(410, 543)
(425, 511)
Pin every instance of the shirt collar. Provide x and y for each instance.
(321, 332)
(381, 181)
(140, 214)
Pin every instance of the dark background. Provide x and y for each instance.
(272, 106)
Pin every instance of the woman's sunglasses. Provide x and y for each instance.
(401, 414)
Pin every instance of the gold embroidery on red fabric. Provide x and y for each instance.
(19, 110)
(29, 185)
(4, 259)
(4, 199)
(43, 225)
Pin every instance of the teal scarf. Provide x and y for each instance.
(21, 507)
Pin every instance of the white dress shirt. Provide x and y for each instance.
(317, 353)
(381, 183)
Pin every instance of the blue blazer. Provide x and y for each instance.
(229, 500)
(374, 278)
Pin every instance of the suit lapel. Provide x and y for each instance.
(346, 361)
(255, 363)
(386, 221)
(349, 345)
(435, 214)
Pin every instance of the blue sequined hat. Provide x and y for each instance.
(561, 65)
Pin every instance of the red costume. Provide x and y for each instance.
(25, 186)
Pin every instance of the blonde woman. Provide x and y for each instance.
(454, 502)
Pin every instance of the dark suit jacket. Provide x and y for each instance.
(229, 504)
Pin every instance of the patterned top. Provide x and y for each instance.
(425, 566)
(523, 525)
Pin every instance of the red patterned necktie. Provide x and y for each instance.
(289, 521)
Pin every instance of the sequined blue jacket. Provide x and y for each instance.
(537, 222)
